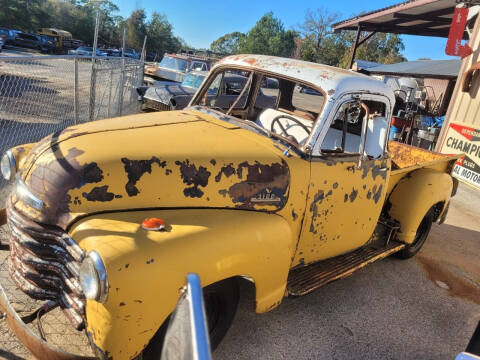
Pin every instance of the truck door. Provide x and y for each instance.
(347, 190)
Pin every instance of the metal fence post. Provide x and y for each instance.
(110, 85)
(93, 75)
(75, 89)
(122, 76)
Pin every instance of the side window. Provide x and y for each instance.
(268, 94)
(344, 134)
(225, 90)
(355, 125)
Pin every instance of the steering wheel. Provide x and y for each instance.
(284, 131)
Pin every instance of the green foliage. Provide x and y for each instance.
(269, 37)
(78, 17)
(228, 44)
(319, 44)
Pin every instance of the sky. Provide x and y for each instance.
(201, 22)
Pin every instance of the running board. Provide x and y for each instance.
(304, 280)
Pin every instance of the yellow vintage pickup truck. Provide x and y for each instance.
(289, 190)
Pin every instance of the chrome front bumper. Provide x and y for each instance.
(40, 348)
(41, 326)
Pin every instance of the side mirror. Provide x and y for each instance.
(187, 334)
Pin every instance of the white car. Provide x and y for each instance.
(85, 51)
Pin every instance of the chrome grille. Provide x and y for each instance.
(155, 105)
(44, 263)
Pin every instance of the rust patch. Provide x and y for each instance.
(100, 193)
(294, 215)
(376, 195)
(51, 181)
(213, 162)
(317, 200)
(135, 170)
(227, 170)
(251, 61)
(457, 286)
(405, 155)
(331, 92)
(262, 182)
(353, 195)
(193, 176)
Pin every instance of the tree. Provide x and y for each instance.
(160, 38)
(136, 29)
(319, 44)
(268, 37)
(228, 44)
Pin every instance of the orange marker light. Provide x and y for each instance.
(153, 224)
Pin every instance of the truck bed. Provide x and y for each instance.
(407, 158)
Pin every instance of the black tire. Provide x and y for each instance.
(422, 234)
(221, 301)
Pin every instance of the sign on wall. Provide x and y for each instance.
(463, 139)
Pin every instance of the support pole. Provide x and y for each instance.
(75, 89)
(355, 46)
(94, 75)
(122, 76)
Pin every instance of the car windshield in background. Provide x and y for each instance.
(85, 48)
(48, 38)
(173, 63)
(193, 81)
(4, 32)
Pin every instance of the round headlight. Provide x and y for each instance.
(93, 277)
(8, 165)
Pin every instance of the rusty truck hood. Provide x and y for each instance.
(157, 160)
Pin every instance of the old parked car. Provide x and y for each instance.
(174, 67)
(85, 51)
(25, 40)
(167, 95)
(107, 218)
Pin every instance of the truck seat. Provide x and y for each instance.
(376, 136)
(266, 117)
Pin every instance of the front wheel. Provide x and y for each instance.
(422, 233)
(221, 301)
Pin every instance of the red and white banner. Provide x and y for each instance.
(457, 29)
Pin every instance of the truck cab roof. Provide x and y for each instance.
(332, 81)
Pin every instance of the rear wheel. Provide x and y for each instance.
(221, 301)
(422, 233)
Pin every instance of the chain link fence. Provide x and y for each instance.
(42, 94)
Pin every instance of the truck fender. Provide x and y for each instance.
(413, 196)
(146, 270)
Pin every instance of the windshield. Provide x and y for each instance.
(193, 81)
(49, 38)
(173, 63)
(85, 48)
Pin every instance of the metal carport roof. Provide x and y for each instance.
(434, 69)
